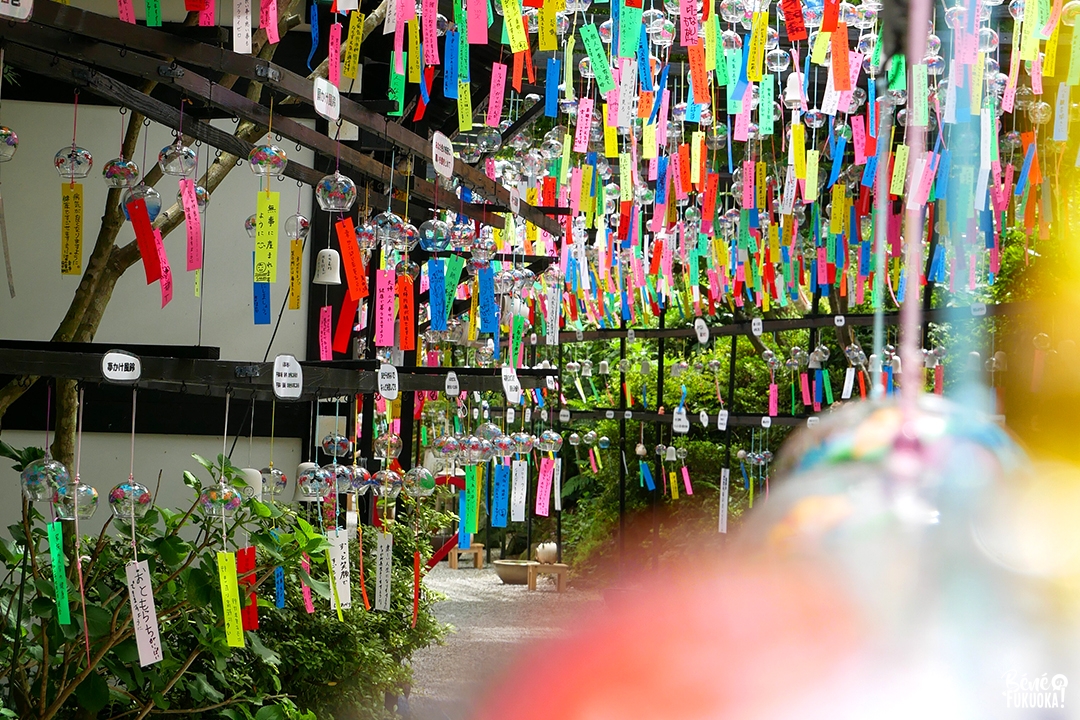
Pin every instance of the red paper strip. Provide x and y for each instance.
(345, 322)
(830, 15)
(406, 328)
(144, 237)
(355, 273)
(793, 20)
(245, 571)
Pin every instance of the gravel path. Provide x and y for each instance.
(492, 622)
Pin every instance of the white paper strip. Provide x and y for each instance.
(849, 383)
(556, 484)
(242, 27)
(143, 613)
(725, 476)
(339, 561)
(519, 487)
(384, 565)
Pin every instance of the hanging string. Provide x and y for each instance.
(221, 477)
(337, 420)
(74, 132)
(78, 543)
(131, 474)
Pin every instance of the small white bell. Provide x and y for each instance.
(254, 481)
(896, 365)
(875, 364)
(327, 268)
(793, 92)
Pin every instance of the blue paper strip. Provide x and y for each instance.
(551, 88)
(437, 293)
(500, 501)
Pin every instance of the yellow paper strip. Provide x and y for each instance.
(464, 106)
(352, 44)
(230, 599)
(266, 237)
(798, 149)
(899, 175)
(296, 269)
(71, 228)
(811, 175)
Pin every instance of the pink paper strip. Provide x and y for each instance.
(688, 21)
(477, 21)
(543, 487)
(333, 61)
(384, 308)
(326, 351)
(575, 190)
(429, 31)
(858, 136)
(748, 184)
(165, 281)
(206, 15)
(584, 123)
(268, 20)
(193, 223)
(308, 605)
(805, 383)
(686, 481)
(126, 11)
(495, 97)
(773, 400)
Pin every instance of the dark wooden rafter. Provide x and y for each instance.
(101, 55)
(154, 42)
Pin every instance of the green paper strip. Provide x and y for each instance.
(333, 586)
(605, 82)
(153, 13)
(828, 385)
(396, 93)
(629, 30)
(470, 499)
(56, 551)
(898, 73)
(454, 265)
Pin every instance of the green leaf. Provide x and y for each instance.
(260, 509)
(266, 654)
(202, 685)
(127, 651)
(204, 462)
(93, 693)
(172, 550)
(305, 527)
(316, 545)
(322, 589)
(160, 701)
(192, 482)
(270, 712)
(98, 620)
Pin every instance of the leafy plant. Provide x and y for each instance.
(90, 667)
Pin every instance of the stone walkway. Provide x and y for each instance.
(492, 622)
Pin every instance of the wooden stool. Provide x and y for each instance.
(557, 569)
(474, 549)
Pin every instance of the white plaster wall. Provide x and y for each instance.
(106, 460)
(31, 192)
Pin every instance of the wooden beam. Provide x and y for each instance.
(107, 56)
(147, 40)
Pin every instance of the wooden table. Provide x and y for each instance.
(560, 571)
